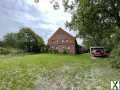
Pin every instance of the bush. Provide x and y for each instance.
(116, 58)
(4, 51)
(53, 51)
(65, 51)
(12, 51)
(116, 62)
(116, 49)
(44, 49)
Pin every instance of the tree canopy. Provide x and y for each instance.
(98, 23)
(94, 20)
(25, 39)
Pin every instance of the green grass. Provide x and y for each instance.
(42, 71)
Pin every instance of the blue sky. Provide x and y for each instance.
(41, 17)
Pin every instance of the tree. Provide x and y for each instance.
(25, 39)
(1, 43)
(98, 23)
(95, 20)
(10, 40)
(29, 41)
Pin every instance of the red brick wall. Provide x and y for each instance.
(62, 41)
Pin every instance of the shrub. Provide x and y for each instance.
(116, 58)
(11, 51)
(56, 52)
(116, 62)
(53, 51)
(65, 51)
(116, 49)
(4, 51)
(44, 49)
(15, 51)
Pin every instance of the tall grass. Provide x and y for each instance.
(58, 72)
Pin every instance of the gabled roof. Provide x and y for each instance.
(60, 30)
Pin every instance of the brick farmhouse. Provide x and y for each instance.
(61, 41)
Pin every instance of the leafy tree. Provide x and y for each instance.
(25, 39)
(4, 51)
(1, 43)
(116, 50)
(10, 40)
(29, 41)
(97, 22)
(93, 21)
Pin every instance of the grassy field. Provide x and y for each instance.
(55, 72)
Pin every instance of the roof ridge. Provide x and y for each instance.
(60, 29)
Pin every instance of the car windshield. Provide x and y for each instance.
(98, 49)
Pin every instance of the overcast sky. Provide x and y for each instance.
(41, 17)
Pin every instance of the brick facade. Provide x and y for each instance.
(62, 41)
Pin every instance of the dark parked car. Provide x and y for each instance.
(99, 52)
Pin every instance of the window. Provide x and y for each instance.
(52, 47)
(71, 41)
(66, 40)
(53, 40)
(62, 41)
(72, 45)
(56, 47)
(68, 47)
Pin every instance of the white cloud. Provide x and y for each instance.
(29, 17)
(41, 17)
(50, 15)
